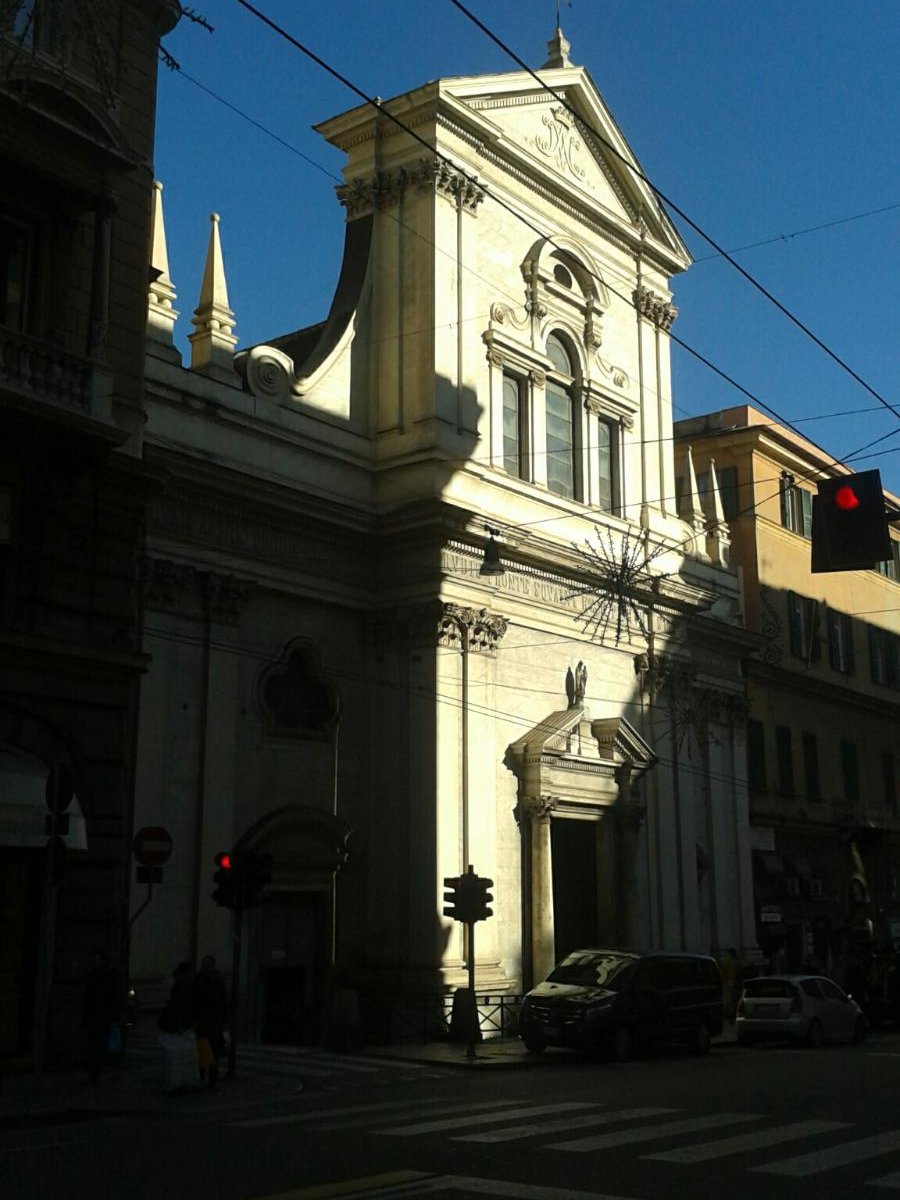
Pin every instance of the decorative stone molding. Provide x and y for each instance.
(192, 592)
(294, 697)
(269, 373)
(652, 306)
(561, 143)
(534, 289)
(385, 189)
(538, 378)
(470, 629)
(535, 809)
(504, 314)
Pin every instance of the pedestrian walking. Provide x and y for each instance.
(177, 1039)
(211, 1013)
(101, 1013)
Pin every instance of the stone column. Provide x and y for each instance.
(533, 814)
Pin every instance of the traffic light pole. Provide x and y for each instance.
(473, 1023)
(233, 999)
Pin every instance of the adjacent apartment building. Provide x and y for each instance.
(77, 107)
(823, 734)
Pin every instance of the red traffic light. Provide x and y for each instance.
(223, 860)
(846, 498)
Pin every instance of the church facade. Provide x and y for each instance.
(417, 594)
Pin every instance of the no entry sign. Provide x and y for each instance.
(152, 846)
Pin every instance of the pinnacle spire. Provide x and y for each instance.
(161, 311)
(212, 344)
(557, 48)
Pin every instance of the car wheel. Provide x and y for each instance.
(815, 1035)
(619, 1043)
(701, 1039)
(859, 1031)
(534, 1045)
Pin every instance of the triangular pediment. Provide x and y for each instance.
(566, 135)
(571, 734)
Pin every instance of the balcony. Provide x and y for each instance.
(37, 372)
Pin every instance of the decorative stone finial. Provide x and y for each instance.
(161, 311)
(718, 539)
(212, 345)
(558, 50)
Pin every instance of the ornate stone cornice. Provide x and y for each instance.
(385, 189)
(470, 629)
(192, 592)
(652, 306)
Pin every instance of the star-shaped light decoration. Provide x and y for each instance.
(619, 578)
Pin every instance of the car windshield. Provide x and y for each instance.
(593, 969)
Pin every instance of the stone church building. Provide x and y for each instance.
(416, 592)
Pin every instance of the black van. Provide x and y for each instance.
(615, 1002)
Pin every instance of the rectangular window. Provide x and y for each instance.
(796, 507)
(608, 467)
(514, 428)
(560, 441)
(840, 642)
(811, 766)
(785, 758)
(756, 756)
(850, 770)
(889, 781)
(803, 617)
(884, 657)
(15, 253)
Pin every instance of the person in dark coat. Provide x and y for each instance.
(101, 1009)
(211, 1013)
(178, 1015)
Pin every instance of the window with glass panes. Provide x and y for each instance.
(560, 421)
(803, 620)
(796, 507)
(15, 246)
(811, 766)
(607, 466)
(840, 642)
(515, 461)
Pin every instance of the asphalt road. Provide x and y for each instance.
(772, 1122)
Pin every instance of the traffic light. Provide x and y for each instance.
(468, 897)
(451, 898)
(849, 524)
(225, 893)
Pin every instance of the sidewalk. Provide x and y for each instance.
(498, 1052)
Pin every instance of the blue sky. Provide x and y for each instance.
(759, 120)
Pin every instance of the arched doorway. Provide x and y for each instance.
(290, 936)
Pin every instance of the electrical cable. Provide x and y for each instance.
(720, 250)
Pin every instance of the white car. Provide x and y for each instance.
(804, 1008)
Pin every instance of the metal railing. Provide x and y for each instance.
(426, 1017)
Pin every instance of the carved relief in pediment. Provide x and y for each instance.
(561, 143)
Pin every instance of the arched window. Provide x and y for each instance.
(561, 426)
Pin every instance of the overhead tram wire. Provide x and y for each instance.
(720, 250)
(379, 107)
(176, 67)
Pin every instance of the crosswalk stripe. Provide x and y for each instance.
(375, 1112)
(649, 1133)
(512, 1132)
(834, 1156)
(757, 1140)
(480, 1119)
(413, 1109)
